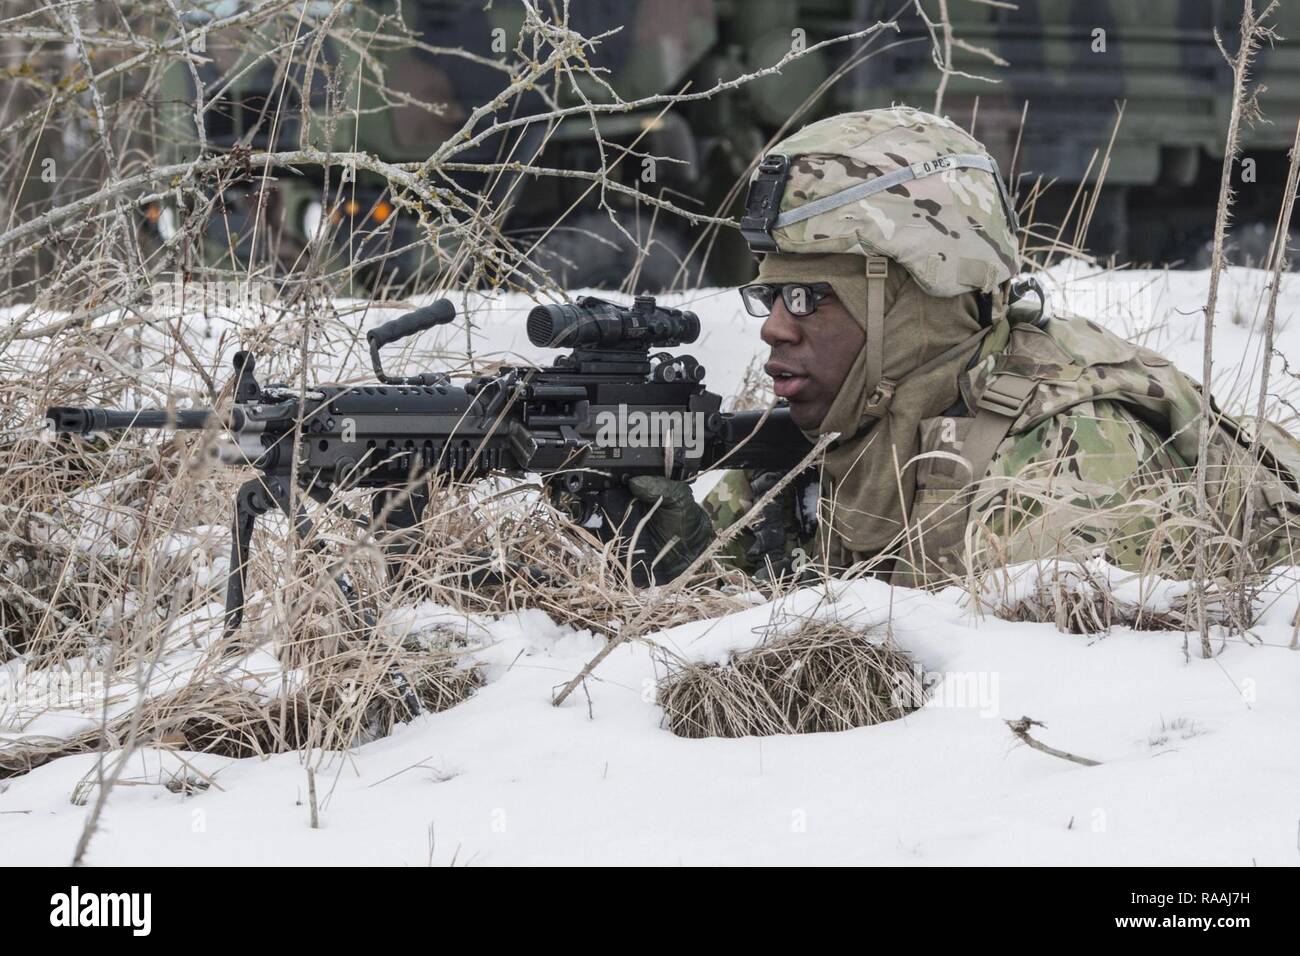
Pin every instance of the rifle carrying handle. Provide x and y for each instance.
(438, 313)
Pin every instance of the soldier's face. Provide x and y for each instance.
(811, 356)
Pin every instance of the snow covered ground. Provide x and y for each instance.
(1199, 759)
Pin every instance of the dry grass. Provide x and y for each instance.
(1182, 728)
(113, 558)
(1150, 529)
(510, 548)
(335, 704)
(1078, 601)
(755, 391)
(825, 676)
(86, 530)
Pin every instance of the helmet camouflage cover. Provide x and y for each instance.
(898, 182)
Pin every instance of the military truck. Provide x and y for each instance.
(1069, 66)
(248, 104)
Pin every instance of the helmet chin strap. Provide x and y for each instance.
(887, 387)
(879, 390)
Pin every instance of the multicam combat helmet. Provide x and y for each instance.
(898, 183)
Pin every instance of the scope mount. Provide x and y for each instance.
(664, 367)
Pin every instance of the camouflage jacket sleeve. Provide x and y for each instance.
(777, 537)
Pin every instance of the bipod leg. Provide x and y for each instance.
(399, 541)
(251, 502)
(255, 498)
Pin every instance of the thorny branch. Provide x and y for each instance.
(1244, 107)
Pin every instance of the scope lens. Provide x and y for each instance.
(550, 326)
(688, 327)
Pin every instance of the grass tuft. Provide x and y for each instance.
(825, 676)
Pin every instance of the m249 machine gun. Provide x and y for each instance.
(605, 412)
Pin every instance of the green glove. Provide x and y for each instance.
(678, 520)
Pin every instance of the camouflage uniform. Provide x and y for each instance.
(1094, 479)
(1027, 439)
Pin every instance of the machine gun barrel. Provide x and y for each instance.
(83, 421)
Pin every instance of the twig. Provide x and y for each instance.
(1021, 729)
(942, 43)
(311, 798)
(1281, 235)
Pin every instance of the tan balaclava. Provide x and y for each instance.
(869, 478)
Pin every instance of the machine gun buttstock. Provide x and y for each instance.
(749, 441)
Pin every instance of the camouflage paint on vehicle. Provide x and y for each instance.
(1159, 59)
(400, 99)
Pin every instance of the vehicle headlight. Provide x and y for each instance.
(311, 217)
(167, 223)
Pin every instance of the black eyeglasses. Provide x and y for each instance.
(800, 298)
